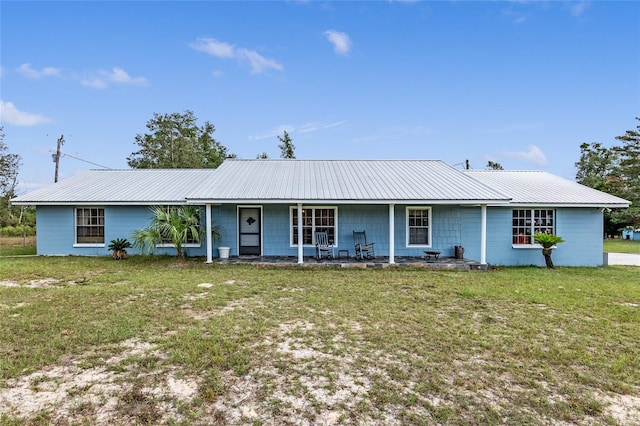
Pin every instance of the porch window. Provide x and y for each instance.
(314, 219)
(527, 222)
(419, 226)
(191, 239)
(89, 226)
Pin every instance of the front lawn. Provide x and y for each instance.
(151, 340)
(621, 246)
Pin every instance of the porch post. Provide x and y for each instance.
(207, 209)
(483, 234)
(300, 242)
(392, 233)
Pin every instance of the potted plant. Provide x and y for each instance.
(119, 248)
(547, 241)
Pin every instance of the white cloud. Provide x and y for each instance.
(27, 71)
(11, 115)
(117, 76)
(533, 155)
(279, 130)
(305, 128)
(214, 47)
(223, 50)
(316, 127)
(340, 41)
(578, 8)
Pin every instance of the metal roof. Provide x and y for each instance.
(140, 186)
(319, 181)
(355, 181)
(542, 188)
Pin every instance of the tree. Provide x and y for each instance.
(616, 171)
(494, 166)
(176, 142)
(286, 146)
(9, 168)
(630, 160)
(173, 225)
(547, 241)
(263, 156)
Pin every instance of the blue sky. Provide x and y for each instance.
(522, 83)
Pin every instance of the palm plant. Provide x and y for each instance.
(175, 225)
(547, 241)
(119, 248)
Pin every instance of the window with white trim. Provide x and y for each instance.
(192, 240)
(89, 225)
(527, 222)
(419, 226)
(314, 219)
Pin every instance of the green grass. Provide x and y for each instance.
(17, 246)
(621, 246)
(514, 345)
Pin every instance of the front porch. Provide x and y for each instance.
(442, 263)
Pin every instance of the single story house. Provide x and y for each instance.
(274, 208)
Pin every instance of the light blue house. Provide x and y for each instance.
(274, 208)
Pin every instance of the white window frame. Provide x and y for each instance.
(429, 226)
(76, 225)
(293, 213)
(533, 227)
(186, 245)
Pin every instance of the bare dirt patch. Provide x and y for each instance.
(100, 390)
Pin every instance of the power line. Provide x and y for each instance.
(64, 154)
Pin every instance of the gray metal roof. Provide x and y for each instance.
(322, 181)
(142, 186)
(542, 188)
(356, 181)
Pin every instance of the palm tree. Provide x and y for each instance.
(175, 225)
(547, 241)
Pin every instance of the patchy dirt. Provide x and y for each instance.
(303, 375)
(75, 392)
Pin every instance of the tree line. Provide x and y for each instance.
(614, 170)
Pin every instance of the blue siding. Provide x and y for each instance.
(582, 229)
(56, 230)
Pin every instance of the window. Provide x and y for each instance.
(527, 222)
(191, 239)
(419, 226)
(314, 219)
(89, 226)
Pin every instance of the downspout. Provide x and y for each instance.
(392, 232)
(483, 234)
(300, 242)
(207, 210)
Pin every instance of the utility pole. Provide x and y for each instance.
(56, 156)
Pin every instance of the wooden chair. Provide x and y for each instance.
(364, 250)
(323, 246)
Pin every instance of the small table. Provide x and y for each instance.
(343, 252)
(429, 253)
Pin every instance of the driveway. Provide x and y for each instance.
(622, 259)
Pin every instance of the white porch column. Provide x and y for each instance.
(392, 232)
(207, 209)
(300, 242)
(483, 234)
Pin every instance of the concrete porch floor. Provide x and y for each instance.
(443, 263)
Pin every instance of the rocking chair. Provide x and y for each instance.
(364, 250)
(323, 246)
